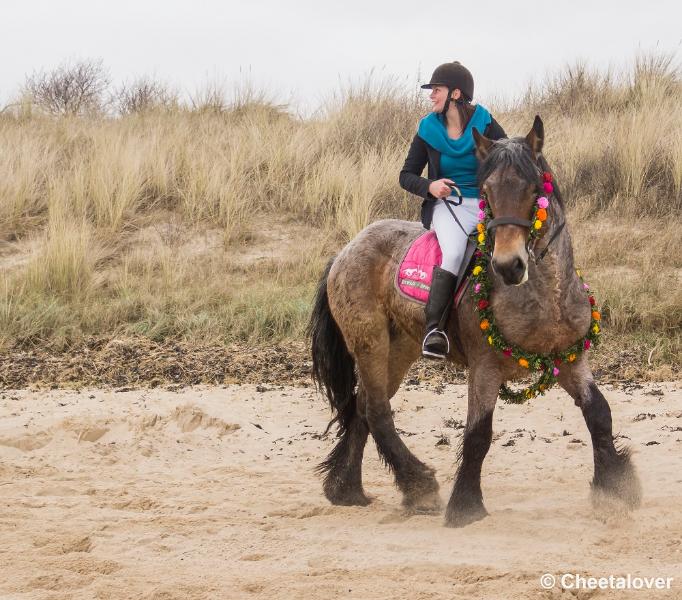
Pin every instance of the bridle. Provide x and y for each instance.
(531, 241)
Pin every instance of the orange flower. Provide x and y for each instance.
(484, 324)
(596, 315)
(523, 362)
(571, 357)
(480, 227)
(542, 214)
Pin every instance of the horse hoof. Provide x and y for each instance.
(426, 504)
(458, 517)
(349, 499)
(620, 485)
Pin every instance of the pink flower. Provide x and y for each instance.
(585, 286)
(477, 288)
(543, 202)
(481, 204)
(481, 215)
(587, 344)
(555, 371)
(548, 187)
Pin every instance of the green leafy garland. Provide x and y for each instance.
(546, 364)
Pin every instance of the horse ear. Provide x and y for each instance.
(536, 137)
(483, 144)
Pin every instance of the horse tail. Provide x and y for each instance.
(333, 365)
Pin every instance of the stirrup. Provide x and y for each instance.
(436, 332)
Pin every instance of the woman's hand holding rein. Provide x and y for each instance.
(441, 188)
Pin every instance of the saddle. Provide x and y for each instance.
(413, 276)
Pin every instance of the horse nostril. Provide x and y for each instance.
(518, 265)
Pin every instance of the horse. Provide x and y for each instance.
(365, 335)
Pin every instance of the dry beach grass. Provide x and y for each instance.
(211, 222)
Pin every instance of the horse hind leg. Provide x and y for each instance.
(335, 374)
(343, 466)
(382, 363)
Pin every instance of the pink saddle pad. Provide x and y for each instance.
(416, 269)
(413, 277)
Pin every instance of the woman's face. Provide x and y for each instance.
(438, 95)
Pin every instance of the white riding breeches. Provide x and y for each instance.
(451, 238)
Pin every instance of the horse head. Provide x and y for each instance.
(510, 177)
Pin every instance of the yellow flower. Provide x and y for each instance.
(480, 227)
(484, 324)
(596, 315)
(537, 224)
(477, 270)
(523, 362)
(595, 328)
(490, 340)
(571, 357)
(578, 273)
(529, 394)
(543, 387)
(481, 238)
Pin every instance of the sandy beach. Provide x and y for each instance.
(209, 492)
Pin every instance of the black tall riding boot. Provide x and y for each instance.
(436, 343)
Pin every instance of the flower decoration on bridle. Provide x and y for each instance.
(547, 365)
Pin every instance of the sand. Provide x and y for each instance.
(209, 492)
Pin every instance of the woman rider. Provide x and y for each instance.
(444, 141)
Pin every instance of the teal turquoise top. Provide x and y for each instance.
(457, 157)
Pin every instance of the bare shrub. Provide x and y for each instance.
(71, 89)
(144, 95)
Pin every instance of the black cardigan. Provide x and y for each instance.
(421, 154)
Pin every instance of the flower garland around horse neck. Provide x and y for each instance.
(548, 365)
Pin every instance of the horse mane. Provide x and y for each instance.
(515, 153)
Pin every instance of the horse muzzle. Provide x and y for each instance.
(513, 271)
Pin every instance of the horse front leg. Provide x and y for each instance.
(466, 502)
(614, 474)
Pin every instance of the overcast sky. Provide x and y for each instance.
(302, 51)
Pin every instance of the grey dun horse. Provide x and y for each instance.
(365, 335)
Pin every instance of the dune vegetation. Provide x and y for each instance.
(209, 221)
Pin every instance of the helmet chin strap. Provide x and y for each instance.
(447, 103)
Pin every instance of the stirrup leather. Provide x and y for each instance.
(436, 332)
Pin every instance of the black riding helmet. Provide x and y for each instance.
(453, 75)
